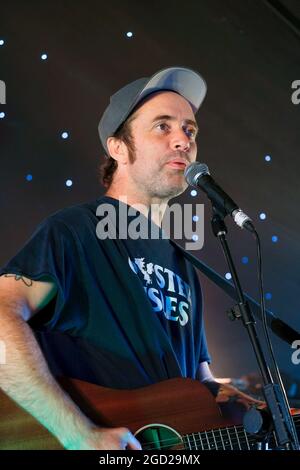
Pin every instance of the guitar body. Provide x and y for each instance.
(174, 414)
(184, 405)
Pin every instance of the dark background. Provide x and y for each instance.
(249, 53)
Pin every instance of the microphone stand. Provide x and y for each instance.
(278, 326)
(281, 419)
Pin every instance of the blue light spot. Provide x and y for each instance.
(274, 239)
(268, 158)
(268, 296)
(1, 42)
(195, 238)
(44, 57)
(293, 390)
(228, 276)
(69, 183)
(29, 177)
(129, 34)
(195, 218)
(65, 135)
(262, 216)
(245, 260)
(193, 192)
(2, 115)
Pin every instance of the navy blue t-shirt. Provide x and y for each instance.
(128, 312)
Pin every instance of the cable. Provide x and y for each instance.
(267, 337)
(285, 15)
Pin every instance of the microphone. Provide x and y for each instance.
(197, 175)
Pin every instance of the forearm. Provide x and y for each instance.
(206, 377)
(233, 402)
(25, 377)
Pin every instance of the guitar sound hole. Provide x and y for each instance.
(159, 436)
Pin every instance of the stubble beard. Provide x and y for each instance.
(159, 187)
(162, 188)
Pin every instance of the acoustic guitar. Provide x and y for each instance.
(174, 414)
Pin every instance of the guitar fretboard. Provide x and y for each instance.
(229, 438)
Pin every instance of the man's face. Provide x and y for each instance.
(163, 132)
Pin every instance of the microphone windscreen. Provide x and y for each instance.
(194, 171)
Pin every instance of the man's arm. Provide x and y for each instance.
(25, 376)
(232, 401)
(206, 377)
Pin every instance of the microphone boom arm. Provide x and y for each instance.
(279, 327)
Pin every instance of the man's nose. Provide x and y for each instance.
(180, 141)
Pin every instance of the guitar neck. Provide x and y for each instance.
(227, 438)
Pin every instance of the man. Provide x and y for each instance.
(122, 313)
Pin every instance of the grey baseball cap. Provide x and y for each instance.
(182, 80)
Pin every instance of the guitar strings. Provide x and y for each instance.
(239, 435)
(204, 439)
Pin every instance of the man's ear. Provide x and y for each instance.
(118, 150)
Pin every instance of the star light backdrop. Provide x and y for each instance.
(62, 60)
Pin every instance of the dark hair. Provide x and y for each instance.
(108, 168)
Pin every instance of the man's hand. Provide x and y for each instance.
(228, 393)
(235, 403)
(105, 439)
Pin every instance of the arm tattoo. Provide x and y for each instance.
(18, 277)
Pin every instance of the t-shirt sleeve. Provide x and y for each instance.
(48, 252)
(204, 355)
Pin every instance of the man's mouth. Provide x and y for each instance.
(179, 164)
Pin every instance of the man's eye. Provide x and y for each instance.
(191, 132)
(163, 126)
